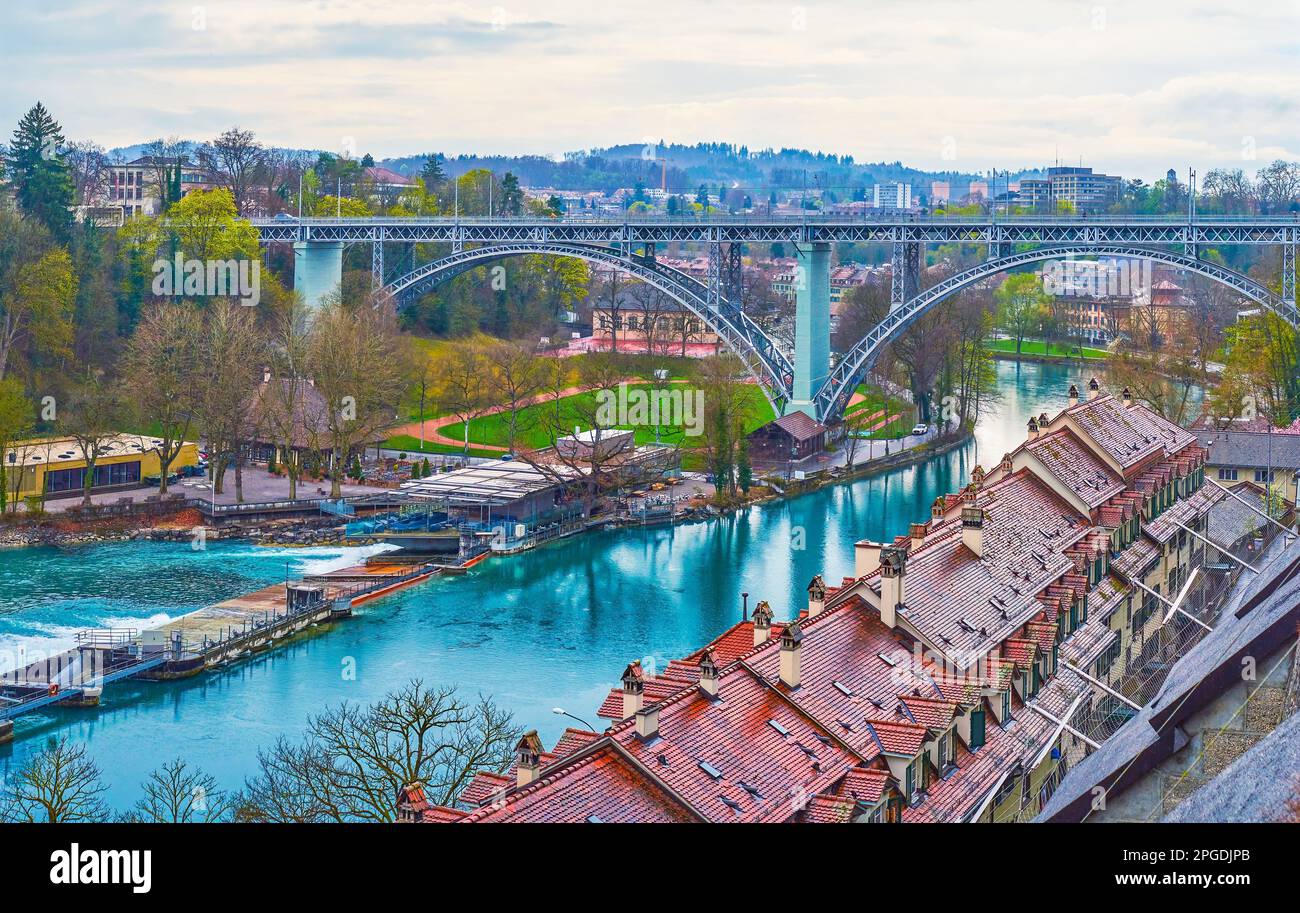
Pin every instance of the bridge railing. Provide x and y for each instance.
(799, 219)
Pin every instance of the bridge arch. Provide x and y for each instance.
(850, 370)
(768, 365)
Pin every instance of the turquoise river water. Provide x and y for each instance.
(551, 627)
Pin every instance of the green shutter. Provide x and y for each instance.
(977, 729)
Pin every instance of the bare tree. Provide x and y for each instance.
(354, 760)
(515, 377)
(91, 417)
(60, 784)
(161, 370)
(355, 366)
(179, 794)
(234, 160)
(232, 352)
(463, 387)
(283, 410)
(88, 165)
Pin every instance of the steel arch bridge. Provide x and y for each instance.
(764, 360)
(822, 390)
(853, 367)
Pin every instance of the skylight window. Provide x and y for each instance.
(886, 660)
(711, 770)
(753, 791)
(778, 727)
(842, 688)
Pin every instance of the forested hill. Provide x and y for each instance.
(683, 167)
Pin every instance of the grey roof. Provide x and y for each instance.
(1254, 787)
(1251, 448)
(1230, 520)
(1193, 681)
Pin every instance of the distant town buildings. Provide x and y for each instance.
(894, 195)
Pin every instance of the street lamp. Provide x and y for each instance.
(562, 712)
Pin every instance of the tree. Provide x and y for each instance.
(463, 389)
(91, 417)
(432, 172)
(60, 784)
(512, 197)
(233, 351)
(37, 296)
(515, 377)
(354, 364)
(17, 422)
(42, 184)
(283, 412)
(87, 169)
(206, 226)
(234, 159)
(161, 369)
(179, 794)
(1022, 305)
(354, 760)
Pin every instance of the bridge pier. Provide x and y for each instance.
(317, 270)
(904, 273)
(812, 325)
(6, 731)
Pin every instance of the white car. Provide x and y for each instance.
(920, 428)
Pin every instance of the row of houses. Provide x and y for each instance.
(935, 684)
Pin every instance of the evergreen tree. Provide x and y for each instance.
(432, 172)
(41, 179)
(512, 196)
(744, 471)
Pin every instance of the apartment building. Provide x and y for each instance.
(935, 684)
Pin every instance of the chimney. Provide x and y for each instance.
(977, 475)
(1006, 465)
(937, 508)
(816, 596)
(1127, 396)
(866, 557)
(529, 755)
(633, 688)
(791, 640)
(893, 569)
(762, 622)
(709, 674)
(972, 529)
(1074, 394)
(917, 532)
(1043, 421)
(1033, 428)
(647, 723)
(1094, 388)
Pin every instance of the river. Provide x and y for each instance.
(547, 628)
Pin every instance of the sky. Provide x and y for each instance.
(1130, 88)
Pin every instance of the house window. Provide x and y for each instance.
(909, 783)
(1006, 707)
(1227, 475)
(1261, 475)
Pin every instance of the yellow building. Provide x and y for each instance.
(56, 466)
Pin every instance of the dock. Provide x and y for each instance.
(207, 638)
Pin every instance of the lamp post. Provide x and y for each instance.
(560, 711)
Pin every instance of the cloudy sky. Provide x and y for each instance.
(1132, 87)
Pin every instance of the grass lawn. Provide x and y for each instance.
(1037, 347)
(411, 445)
(534, 429)
(876, 400)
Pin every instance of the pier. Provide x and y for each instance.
(207, 638)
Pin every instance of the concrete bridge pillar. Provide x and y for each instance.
(812, 324)
(317, 270)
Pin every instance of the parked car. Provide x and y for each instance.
(920, 428)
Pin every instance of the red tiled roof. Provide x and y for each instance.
(865, 784)
(484, 786)
(602, 786)
(829, 810)
(1076, 467)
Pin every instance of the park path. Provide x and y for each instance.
(433, 436)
